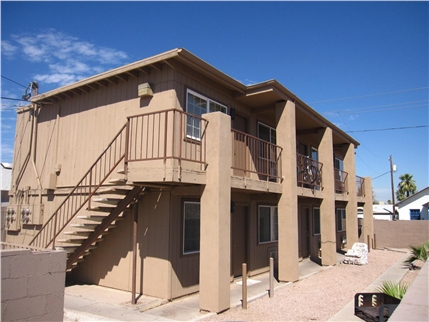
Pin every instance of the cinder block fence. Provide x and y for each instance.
(32, 284)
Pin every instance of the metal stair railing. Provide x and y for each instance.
(103, 225)
(82, 193)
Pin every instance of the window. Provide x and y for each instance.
(267, 133)
(341, 219)
(415, 214)
(191, 227)
(268, 224)
(197, 105)
(316, 221)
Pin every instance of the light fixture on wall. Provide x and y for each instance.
(144, 90)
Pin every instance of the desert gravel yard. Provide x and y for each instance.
(318, 297)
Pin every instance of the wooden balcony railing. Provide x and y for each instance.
(253, 155)
(360, 186)
(309, 171)
(340, 181)
(169, 134)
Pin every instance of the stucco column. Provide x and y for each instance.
(327, 206)
(351, 207)
(215, 234)
(288, 202)
(368, 218)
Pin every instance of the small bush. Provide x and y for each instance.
(396, 290)
(420, 252)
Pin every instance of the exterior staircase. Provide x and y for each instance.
(94, 206)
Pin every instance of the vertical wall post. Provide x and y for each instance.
(215, 232)
(135, 228)
(351, 207)
(244, 286)
(327, 207)
(288, 202)
(271, 277)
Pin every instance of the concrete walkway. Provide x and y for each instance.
(97, 303)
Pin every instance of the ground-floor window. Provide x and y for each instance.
(191, 227)
(268, 224)
(316, 221)
(341, 219)
(415, 214)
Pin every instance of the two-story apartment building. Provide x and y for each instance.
(165, 175)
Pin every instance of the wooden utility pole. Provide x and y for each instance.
(393, 187)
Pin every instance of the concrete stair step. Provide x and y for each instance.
(107, 200)
(71, 249)
(89, 226)
(118, 181)
(76, 240)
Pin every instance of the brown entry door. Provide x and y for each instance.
(304, 232)
(238, 239)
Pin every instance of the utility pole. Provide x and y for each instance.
(392, 169)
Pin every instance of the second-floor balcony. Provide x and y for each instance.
(170, 146)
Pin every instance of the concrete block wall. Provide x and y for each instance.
(400, 233)
(32, 285)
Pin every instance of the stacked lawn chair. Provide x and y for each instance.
(358, 255)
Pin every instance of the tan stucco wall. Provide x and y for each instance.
(400, 233)
(32, 285)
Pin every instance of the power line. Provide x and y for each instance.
(13, 81)
(374, 108)
(391, 128)
(13, 99)
(370, 95)
(381, 175)
(362, 146)
(384, 109)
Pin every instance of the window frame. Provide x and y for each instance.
(184, 252)
(343, 222)
(273, 224)
(314, 222)
(207, 110)
(415, 212)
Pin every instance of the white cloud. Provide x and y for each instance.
(57, 78)
(8, 49)
(67, 58)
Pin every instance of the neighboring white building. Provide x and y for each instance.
(382, 212)
(6, 175)
(415, 207)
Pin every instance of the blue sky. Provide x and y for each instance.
(362, 65)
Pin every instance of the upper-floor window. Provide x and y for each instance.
(268, 224)
(267, 133)
(197, 104)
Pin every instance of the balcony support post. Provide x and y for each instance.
(327, 206)
(215, 233)
(368, 218)
(351, 207)
(288, 201)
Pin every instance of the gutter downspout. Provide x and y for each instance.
(33, 152)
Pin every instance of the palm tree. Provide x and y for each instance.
(406, 187)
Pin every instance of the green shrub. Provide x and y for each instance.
(394, 289)
(420, 252)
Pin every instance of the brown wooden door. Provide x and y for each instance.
(304, 232)
(238, 239)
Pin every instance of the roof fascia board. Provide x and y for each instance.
(205, 68)
(110, 73)
(305, 107)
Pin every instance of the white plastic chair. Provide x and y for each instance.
(358, 255)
